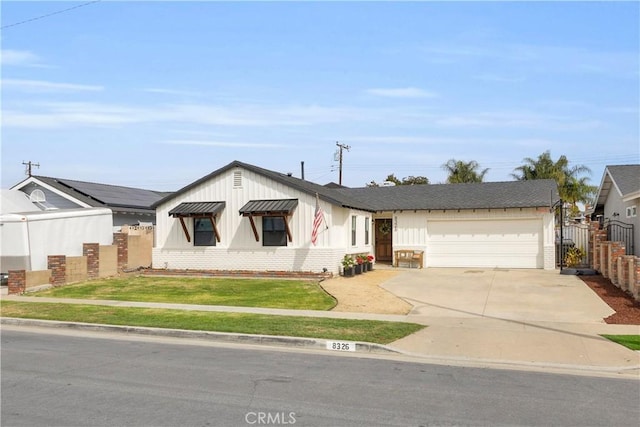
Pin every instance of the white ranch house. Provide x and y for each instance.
(243, 217)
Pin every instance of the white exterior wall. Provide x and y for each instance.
(615, 204)
(57, 232)
(238, 249)
(411, 229)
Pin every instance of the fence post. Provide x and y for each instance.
(121, 240)
(17, 282)
(58, 266)
(92, 252)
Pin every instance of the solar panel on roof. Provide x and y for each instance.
(116, 195)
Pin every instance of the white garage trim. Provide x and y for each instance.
(487, 243)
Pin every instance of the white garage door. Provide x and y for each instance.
(485, 243)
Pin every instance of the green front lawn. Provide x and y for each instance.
(296, 326)
(270, 293)
(629, 341)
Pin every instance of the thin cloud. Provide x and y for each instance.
(540, 58)
(230, 144)
(407, 92)
(499, 78)
(171, 92)
(19, 58)
(44, 86)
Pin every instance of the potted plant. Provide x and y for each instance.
(362, 260)
(347, 266)
(358, 264)
(370, 262)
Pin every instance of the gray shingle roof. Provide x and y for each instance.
(125, 199)
(197, 208)
(489, 195)
(262, 207)
(626, 177)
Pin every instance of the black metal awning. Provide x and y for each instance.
(269, 207)
(281, 208)
(197, 209)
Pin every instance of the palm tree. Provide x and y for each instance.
(460, 171)
(571, 187)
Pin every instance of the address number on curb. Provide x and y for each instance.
(341, 346)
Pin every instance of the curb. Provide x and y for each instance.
(224, 337)
(512, 364)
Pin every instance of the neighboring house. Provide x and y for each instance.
(28, 234)
(130, 206)
(242, 217)
(618, 200)
(12, 201)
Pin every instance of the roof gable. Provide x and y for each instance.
(488, 195)
(100, 195)
(625, 179)
(327, 194)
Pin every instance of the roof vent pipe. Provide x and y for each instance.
(302, 170)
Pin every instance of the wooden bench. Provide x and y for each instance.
(409, 256)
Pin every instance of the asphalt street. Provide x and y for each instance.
(58, 379)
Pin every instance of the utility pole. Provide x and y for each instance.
(340, 148)
(28, 165)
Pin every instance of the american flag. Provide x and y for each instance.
(318, 217)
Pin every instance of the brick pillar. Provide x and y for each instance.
(604, 259)
(626, 274)
(17, 281)
(594, 227)
(92, 252)
(600, 236)
(616, 250)
(121, 240)
(635, 277)
(58, 266)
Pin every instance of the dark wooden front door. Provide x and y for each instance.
(384, 250)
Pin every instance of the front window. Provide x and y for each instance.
(366, 231)
(353, 230)
(203, 234)
(274, 232)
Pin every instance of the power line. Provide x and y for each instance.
(49, 14)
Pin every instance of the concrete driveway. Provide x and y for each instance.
(521, 295)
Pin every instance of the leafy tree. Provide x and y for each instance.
(460, 171)
(571, 186)
(409, 180)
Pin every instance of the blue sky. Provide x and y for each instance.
(156, 95)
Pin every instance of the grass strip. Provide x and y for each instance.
(374, 331)
(630, 341)
(269, 293)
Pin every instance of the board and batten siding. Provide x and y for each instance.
(238, 249)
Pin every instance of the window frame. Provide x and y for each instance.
(367, 230)
(354, 226)
(268, 238)
(211, 241)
